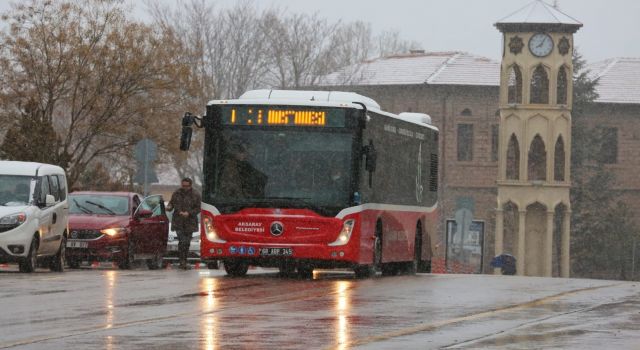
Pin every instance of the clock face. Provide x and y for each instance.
(540, 44)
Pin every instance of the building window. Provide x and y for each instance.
(466, 112)
(562, 86)
(495, 137)
(609, 145)
(514, 91)
(513, 158)
(465, 142)
(559, 160)
(539, 86)
(537, 164)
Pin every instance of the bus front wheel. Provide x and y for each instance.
(236, 268)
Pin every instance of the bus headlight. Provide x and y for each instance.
(210, 231)
(345, 233)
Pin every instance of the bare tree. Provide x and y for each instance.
(85, 70)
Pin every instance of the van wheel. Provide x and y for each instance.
(58, 261)
(30, 263)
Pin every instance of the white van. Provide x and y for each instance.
(34, 215)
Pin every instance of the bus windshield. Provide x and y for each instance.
(281, 168)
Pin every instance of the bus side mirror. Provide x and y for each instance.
(370, 157)
(185, 138)
(187, 131)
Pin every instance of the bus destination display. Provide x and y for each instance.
(266, 116)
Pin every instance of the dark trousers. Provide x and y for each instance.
(184, 241)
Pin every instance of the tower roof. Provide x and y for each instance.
(538, 15)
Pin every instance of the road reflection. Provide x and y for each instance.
(209, 321)
(343, 311)
(110, 277)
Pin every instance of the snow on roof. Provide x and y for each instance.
(619, 80)
(538, 12)
(435, 68)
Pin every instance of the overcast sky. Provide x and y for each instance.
(611, 27)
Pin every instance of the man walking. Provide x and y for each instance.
(185, 203)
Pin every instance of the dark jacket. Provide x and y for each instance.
(189, 201)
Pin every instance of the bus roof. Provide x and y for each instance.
(320, 98)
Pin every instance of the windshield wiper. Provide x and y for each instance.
(83, 208)
(101, 207)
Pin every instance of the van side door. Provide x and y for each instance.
(59, 219)
(46, 217)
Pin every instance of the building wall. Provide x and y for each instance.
(476, 179)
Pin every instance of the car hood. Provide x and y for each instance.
(97, 222)
(4, 211)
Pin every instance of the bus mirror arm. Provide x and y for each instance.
(187, 131)
(364, 118)
(369, 151)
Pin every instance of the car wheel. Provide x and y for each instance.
(236, 268)
(73, 263)
(30, 263)
(58, 261)
(156, 262)
(127, 260)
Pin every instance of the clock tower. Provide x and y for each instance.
(533, 208)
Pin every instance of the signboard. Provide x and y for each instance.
(145, 153)
(465, 247)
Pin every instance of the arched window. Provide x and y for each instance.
(513, 158)
(562, 86)
(515, 85)
(537, 164)
(559, 159)
(466, 112)
(539, 86)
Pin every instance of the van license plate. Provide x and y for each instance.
(77, 244)
(276, 251)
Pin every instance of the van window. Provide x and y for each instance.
(44, 188)
(55, 188)
(63, 187)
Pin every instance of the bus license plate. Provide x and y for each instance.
(77, 244)
(276, 251)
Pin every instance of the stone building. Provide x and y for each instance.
(460, 91)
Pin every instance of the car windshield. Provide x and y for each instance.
(15, 190)
(98, 204)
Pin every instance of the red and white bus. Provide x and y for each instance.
(316, 179)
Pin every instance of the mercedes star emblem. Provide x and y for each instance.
(277, 228)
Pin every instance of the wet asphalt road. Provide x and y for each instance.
(203, 309)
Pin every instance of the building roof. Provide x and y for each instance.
(433, 68)
(619, 80)
(538, 13)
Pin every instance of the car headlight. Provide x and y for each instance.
(114, 231)
(210, 231)
(345, 233)
(12, 221)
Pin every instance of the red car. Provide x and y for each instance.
(118, 226)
